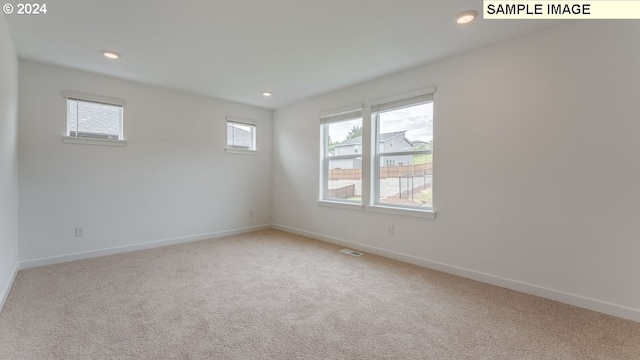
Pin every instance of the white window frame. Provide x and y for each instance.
(413, 98)
(328, 117)
(100, 99)
(231, 149)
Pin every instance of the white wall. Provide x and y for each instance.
(8, 161)
(173, 180)
(536, 178)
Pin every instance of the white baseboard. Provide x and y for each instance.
(556, 295)
(7, 288)
(128, 248)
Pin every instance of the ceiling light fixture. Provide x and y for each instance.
(466, 17)
(110, 54)
(266, 93)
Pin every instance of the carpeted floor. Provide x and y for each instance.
(273, 295)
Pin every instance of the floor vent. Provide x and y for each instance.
(351, 252)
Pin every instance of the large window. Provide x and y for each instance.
(241, 135)
(403, 154)
(341, 139)
(94, 117)
(385, 165)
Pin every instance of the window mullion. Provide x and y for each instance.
(376, 158)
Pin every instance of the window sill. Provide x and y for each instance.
(425, 214)
(341, 205)
(90, 141)
(241, 151)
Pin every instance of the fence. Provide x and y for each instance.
(408, 188)
(345, 192)
(385, 172)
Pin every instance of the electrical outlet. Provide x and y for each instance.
(79, 231)
(250, 213)
(390, 230)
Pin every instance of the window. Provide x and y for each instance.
(407, 124)
(396, 151)
(241, 135)
(341, 173)
(94, 117)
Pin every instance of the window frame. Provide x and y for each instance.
(234, 149)
(344, 114)
(413, 98)
(97, 99)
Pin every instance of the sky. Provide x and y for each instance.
(417, 120)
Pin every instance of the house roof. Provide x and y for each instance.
(383, 137)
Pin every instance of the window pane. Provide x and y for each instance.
(406, 129)
(343, 177)
(95, 120)
(241, 135)
(345, 137)
(405, 180)
(345, 180)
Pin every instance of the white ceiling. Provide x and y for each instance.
(235, 49)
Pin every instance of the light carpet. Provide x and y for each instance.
(273, 295)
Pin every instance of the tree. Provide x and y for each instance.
(332, 144)
(425, 146)
(430, 145)
(354, 132)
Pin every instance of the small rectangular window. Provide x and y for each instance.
(241, 135)
(94, 117)
(404, 155)
(341, 140)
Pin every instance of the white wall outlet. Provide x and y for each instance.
(390, 230)
(250, 213)
(79, 231)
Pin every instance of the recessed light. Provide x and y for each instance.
(466, 16)
(111, 54)
(266, 93)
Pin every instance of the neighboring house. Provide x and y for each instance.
(389, 142)
(346, 164)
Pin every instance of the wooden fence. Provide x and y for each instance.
(345, 192)
(385, 172)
